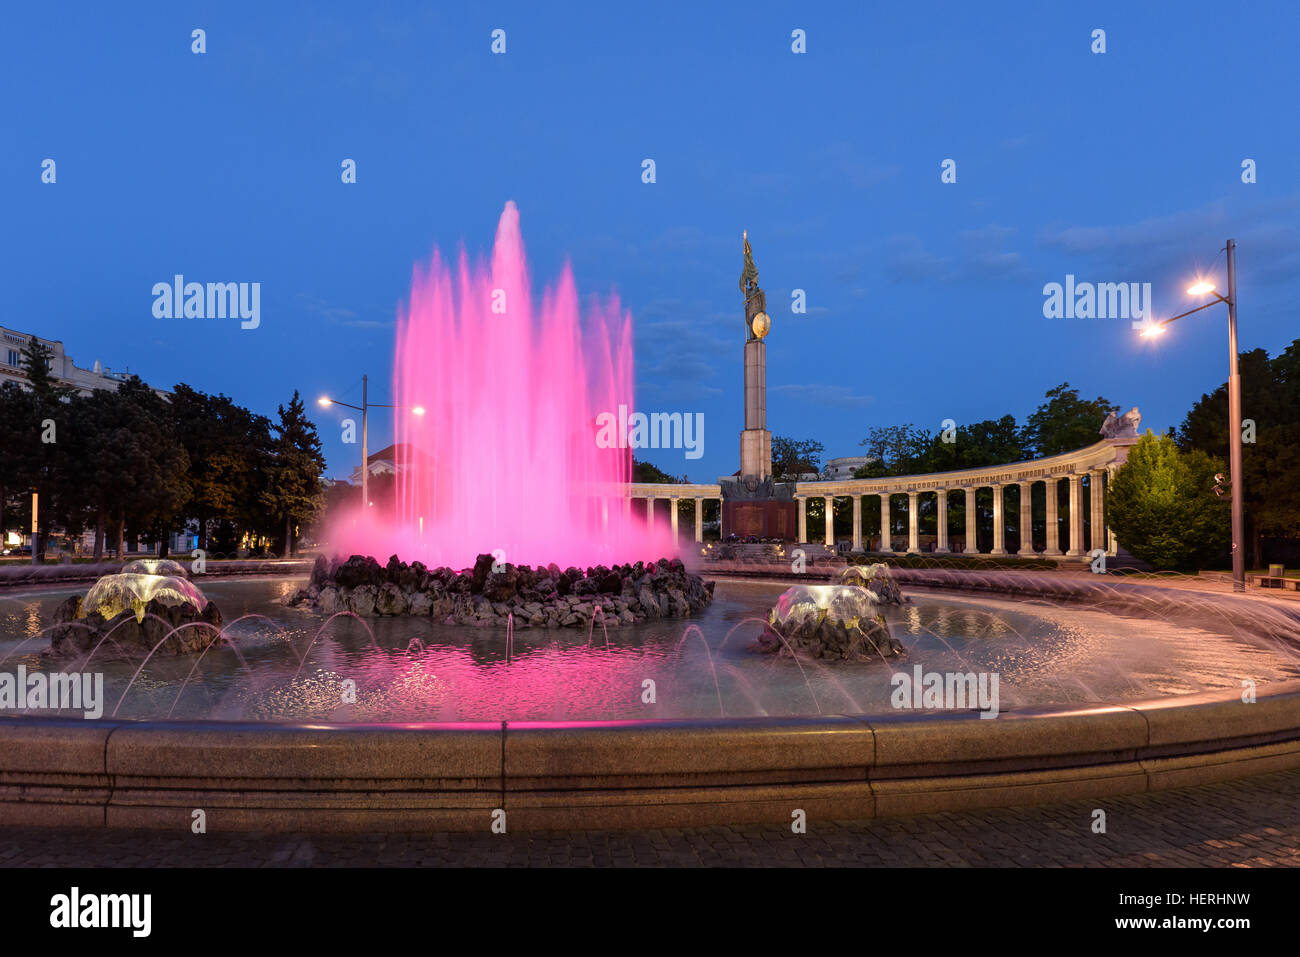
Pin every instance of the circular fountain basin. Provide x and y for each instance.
(567, 732)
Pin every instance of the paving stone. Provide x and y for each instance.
(1253, 822)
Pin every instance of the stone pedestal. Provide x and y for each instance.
(762, 518)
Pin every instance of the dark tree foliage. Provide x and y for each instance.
(229, 449)
(293, 492)
(17, 415)
(134, 463)
(134, 472)
(1270, 404)
(648, 473)
(792, 457)
(41, 441)
(1064, 422)
(1163, 508)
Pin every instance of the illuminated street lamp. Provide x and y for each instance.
(364, 408)
(1153, 330)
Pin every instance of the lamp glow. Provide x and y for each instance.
(325, 402)
(1200, 288)
(1153, 330)
(417, 410)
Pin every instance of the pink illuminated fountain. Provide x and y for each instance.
(505, 459)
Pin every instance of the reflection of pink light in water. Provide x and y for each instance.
(505, 456)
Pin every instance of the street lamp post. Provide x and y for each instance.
(1234, 405)
(1234, 428)
(364, 408)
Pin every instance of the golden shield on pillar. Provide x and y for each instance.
(760, 325)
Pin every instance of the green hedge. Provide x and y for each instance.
(954, 561)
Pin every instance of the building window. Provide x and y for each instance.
(14, 358)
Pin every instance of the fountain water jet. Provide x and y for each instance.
(505, 455)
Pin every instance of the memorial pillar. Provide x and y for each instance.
(857, 523)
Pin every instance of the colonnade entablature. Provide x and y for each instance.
(1095, 463)
(1107, 455)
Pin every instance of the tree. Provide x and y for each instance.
(17, 413)
(293, 491)
(136, 470)
(40, 448)
(228, 448)
(1270, 406)
(898, 449)
(990, 442)
(1065, 422)
(648, 473)
(1162, 507)
(793, 457)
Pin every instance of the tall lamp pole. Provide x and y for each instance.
(1234, 405)
(1234, 428)
(364, 408)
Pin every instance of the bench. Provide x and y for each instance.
(1276, 578)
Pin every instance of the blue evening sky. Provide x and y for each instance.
(925, 299)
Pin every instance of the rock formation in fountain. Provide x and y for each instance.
(541, 597)
(835, 622)
(136, 610)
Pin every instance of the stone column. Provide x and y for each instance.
(803, 519)
(650, 511)
(1112, 546)
(941, 503)
(830, 521)
(1076, 517)
(972, 547)
(699, 519)
(1097, 523)
(627, 510)
(672, 516)
(999, 523)
(1053, 549)
(857, 523)
(913, 545)
(1026, 519)
(886, 536)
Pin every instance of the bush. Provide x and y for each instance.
(1162, 507)
(954, 561)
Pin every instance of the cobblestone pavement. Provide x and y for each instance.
(1249, 823)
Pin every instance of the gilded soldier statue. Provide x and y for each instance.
(757, 321)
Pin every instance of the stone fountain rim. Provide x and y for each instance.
(642, 773)
(635, 773)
